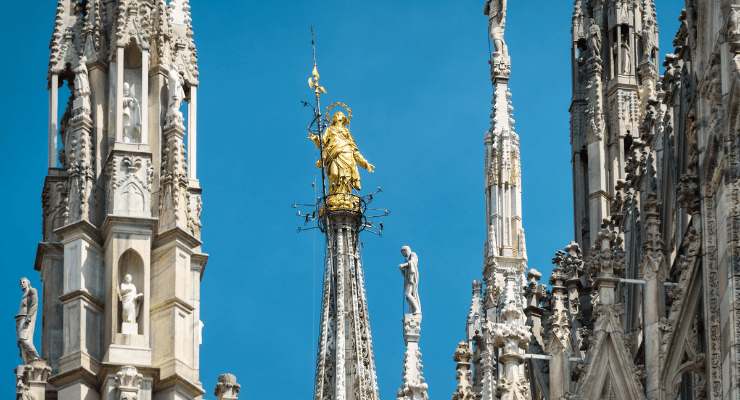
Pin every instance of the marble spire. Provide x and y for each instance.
(505, 332)
(413, 385)
(502, 163)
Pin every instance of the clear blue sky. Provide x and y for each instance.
(417, 78)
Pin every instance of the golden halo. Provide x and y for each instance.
(340, 104)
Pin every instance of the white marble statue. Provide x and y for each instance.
(595, 39)
(496, 12)
(410, 271)
(131, 115)
(626, 59)
(176, 94)
(82, 84)
(25, 322)
(129, 298)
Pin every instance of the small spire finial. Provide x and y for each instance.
(313, 80)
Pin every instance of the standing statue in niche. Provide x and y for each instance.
(410, 271)
(496, 12)
(82, 86)
(341, 158)
(595, 39)
(131, 115)
(626, 59)
(175, 93)
(25, 322)
(130, 298)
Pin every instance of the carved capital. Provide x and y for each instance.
(411, 327)
(227, 388)
(128, 382)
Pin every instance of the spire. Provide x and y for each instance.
(503, 180)
(345, 365)
(413, 385)
(463, 356)
(475, 315)
(505, 333)
(512, 336)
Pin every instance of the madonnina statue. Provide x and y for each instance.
(341, 157)
(410, 271)
(25, 322)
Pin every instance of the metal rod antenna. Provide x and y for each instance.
(319, 117)
(313, 44)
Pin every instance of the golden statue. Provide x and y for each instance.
(341, 158)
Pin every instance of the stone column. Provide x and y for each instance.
(144, 96)
(651, 268)
(227, 388)
(173, 196)
(596, 148)
(53, 119)
(193, 133)
(558, 344)
(80, 160)
(414, 386)
(120, 65)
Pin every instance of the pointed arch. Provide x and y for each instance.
(609, 362)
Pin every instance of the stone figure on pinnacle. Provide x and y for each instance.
(496, 12)
(410, 271)
(25, 322)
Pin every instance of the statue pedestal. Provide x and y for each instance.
(413, 386)
(227, 388)
(411, 327)
(129, 328)
(31, 380)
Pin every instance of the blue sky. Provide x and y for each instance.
(417, 78)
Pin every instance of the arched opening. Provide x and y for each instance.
(132, 94)
(130, 293)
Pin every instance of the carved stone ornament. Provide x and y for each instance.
(227, 388)
(128, 382)
(463, 356)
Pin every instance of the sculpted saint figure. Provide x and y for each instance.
(410, 271)
(129, 299)
(626, 59)
(175, 92)
(25, 322)
(82, 83)
(496, 12)
(131, 115)
(595, 39)
(341, 156)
